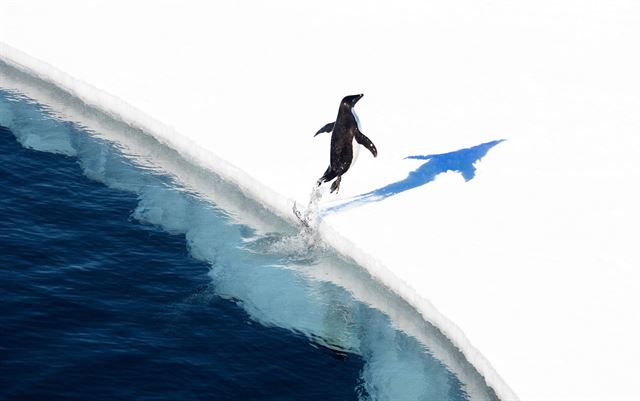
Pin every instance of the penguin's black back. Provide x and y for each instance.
(344, 130)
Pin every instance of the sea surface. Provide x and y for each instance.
(119, 280)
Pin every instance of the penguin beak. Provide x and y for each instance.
(358, 97)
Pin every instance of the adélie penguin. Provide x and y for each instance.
(343, 132)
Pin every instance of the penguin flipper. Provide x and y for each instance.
(366, 142)
(326, 128)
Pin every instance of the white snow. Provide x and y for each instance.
(534, 259)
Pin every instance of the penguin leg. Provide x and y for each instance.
(336, 185)
(328, 176)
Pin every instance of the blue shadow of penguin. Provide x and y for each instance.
(461, 161)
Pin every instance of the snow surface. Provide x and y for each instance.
(523, 256)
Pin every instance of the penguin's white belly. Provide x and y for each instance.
(356, 150)
(355, 145)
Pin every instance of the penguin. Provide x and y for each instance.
(343, 131)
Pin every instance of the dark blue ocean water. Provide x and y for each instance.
(95, 305)
(119, 280)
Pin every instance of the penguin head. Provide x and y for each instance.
(350, 101)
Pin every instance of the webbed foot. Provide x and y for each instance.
(336, 185)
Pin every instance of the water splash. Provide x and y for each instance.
(310, 217)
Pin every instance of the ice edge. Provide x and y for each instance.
(120, 110)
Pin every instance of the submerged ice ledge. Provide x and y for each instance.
(48, 84)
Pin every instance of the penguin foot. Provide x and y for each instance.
(336, 185)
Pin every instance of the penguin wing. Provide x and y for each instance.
(366, 142)
(326, 128)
